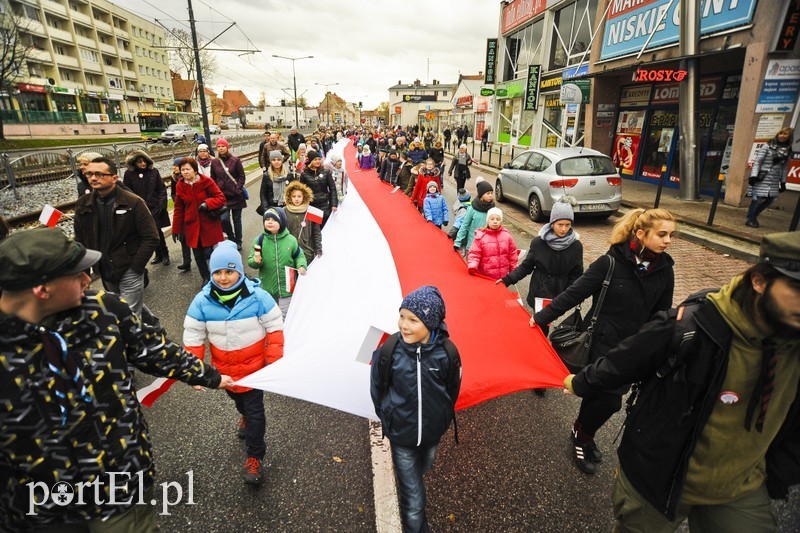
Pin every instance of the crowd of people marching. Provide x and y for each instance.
(699, 444)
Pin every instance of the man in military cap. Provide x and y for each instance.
(69, 408)
(713, 427)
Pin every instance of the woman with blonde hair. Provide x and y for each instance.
(768, 175)
(642, 284)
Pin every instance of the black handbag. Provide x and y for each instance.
(219, 213)
(571, 344)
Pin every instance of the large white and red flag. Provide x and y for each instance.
(378, 248)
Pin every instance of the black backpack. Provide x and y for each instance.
(385, 366)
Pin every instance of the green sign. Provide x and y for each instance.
(487, 92)
(576, 91)
(502, 93)
(532, 92)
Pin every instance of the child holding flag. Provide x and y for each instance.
(303, 220)
(277, 256)
(244, 328)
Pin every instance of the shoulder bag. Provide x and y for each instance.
(571, 344)
(244, 189)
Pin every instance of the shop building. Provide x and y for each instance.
(748, 84)
(469, 108)
(420, 104)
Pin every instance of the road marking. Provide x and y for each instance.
(387, 511)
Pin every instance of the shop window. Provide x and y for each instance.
(33, 101)
(90, 105)
(523, 48)
(572, 33)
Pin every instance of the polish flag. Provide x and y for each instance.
(351, 308)
(290, 274)
(541, 303)
(314, 215)
(149, 394)
(50, 216)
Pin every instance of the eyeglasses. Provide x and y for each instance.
(97, 174)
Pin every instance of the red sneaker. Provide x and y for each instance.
(252, 471)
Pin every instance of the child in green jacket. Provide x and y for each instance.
(277, 255)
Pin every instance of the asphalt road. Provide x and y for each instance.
(512, 471)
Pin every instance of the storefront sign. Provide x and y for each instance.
(669, 94)
(646, 75)
(768, 126)
(781, 84)
(482, 104)
(576, 92)
(631, 22)
(491, 60)
(96, 118)
(518, 12)
(532, 88)
(552, 100)
(398, 110)
(574, 72)
(511, 90)
(634, 95)
(28, 88)
(793, 177)
(487, 92)
(731, 89)
(419, 98)
(786, 39)
(606, 107)
(551, 83)
(604, 114)
(626, 152)
(502, 93)
(464, 101)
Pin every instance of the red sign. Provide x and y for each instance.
(464, 101)
(28, 88)
(658, 74)
(626, 152)
(793, 177)
(518, 12)
(398, 110)
(790, 29)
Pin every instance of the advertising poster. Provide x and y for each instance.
(626, 153)
(793, 178)
(780, 87)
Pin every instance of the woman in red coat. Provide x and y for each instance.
(195, 196)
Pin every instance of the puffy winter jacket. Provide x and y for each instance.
(417, 155)
(147, 185)
(421, 186)
(277, 252)
(389, 169)
(473, 220)
(242, 339)
(417, 407)
(366, 162)
(493, 252)
(322, 185)
(772, 160)
(436, 209)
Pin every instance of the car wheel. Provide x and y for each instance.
(535, 208)
(498, 192)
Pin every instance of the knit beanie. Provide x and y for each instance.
(302, 146)
(276, 214)
(312, 155)
(177, 161)
(202, 147)
(275, 154)
(225, 255)
(223, 142)
(464, 195)
(335, 158)
(427, 303)
(494, 211)
(433, 184)
(483, 188)
(562, 211)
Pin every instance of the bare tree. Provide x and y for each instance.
(262, 100)
(13, 52)
(182, 56)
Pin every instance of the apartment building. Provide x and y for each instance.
(419, 103)
(93, 66)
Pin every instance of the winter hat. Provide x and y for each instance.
(562, 211)
(302, 146)
(464, 195)
(483, 188)
(275, 154)
(392, 151)
(225, 255)
(433, 184)
(312, 155)
(495, 211)
(335, 158)
(202, 147)
(427, 303)
(223, 142)
(276, 214)
(366, 149)
(177, 161)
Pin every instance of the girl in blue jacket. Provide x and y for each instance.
(435, 206)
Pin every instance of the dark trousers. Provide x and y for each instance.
(250, 405)
(234, 232)
(596, 410)
(201, 256)
(461, 181)
(186, 252)
(759, 205)
(161, 249)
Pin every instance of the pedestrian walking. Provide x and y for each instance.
(768, 176)
(307, 232)
(485, 139)
(70, 413)
(712, 431)
(437, 154)
(493, 252)
(228, 173)
(641, 285)
(273, 184)
(186, 252)
(321, 183)
(390, 167)
(145, 181)
(81, 181)
(460, 164)
(435, 206)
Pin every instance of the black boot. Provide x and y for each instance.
(157, 259)
(165, 259)
(186, 267)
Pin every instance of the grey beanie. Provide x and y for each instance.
(275, 154)
(562, 211)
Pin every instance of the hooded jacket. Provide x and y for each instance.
(321, 183)
(277, 252)
(243, 339)
(148, 185)
(418, 405)
(673, 407)
(421, 185)
(308, 235)
(435, 209)
(493, 253)
(389, 169)
(477, 212)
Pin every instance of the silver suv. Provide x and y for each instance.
(177, 133)
(539, 177)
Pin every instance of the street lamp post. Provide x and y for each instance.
(294, 80)
(327, 98)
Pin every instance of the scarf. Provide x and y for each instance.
(280, 178)
(780, 151)
(229, 297)
(302, 208)
(647, 258)
(554, 241)
(462, 158)
(480, 205)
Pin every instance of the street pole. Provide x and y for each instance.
(687, 97)
(200, 86)
(294, 80)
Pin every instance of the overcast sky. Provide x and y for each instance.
(365, 46)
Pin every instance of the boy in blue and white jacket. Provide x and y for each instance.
(460, 206)
(415, 397)
(435, 206)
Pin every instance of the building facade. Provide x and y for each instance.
(419, 104)
(468, 107)
(92, 66)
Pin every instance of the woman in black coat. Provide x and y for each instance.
(322, 185)
(145, 181)
(642, 284)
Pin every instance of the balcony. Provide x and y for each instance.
(95, 88)
(108, 49)
(112, 71)
(33, 27)
(54, 7)
(103, 26)
(124, 54)
(60, 35)
(129, 74)
(67, 61)
(41, 56)
(81, 18)
(92, 67)
(121, 33)
(70, 84)
(85, 41)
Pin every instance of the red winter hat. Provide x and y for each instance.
(223, 142)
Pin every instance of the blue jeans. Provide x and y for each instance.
(131, 288)
(410, 464)
(758, 205)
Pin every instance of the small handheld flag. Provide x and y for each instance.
(314, 214)
(50, 216)
(290, 278)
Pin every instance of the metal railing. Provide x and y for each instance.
(25, 116)
(494, 154)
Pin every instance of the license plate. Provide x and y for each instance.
(595, 207)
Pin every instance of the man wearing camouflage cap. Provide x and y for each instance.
(713, 430)
(69, 408)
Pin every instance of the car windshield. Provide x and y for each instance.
(591, 165)
(174, 127)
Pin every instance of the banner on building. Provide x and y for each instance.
(630, 24)
(780, 87)
(491, 60)
(532, 88)
(419, 98)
